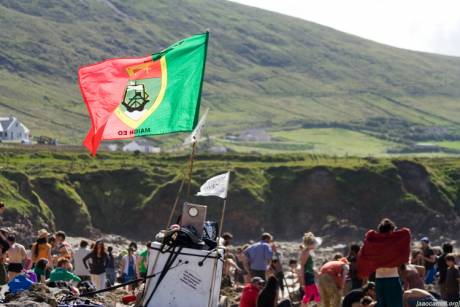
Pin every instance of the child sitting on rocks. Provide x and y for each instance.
(61, 273)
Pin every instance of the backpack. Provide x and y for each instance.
(19, 284)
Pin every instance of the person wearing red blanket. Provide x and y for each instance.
(383, 252)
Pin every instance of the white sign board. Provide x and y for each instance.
(186, 283)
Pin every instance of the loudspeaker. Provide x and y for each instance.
(194, 215)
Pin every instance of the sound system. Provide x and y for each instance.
(194, 217)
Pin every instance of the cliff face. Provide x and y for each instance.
(337, 199)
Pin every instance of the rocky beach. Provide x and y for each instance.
(42, 296)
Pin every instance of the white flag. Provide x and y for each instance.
(216, 186)
(196, 133)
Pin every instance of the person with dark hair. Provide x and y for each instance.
(62, 272)
(293, 273)
(447, 248)
(251, 292)
(16, 256)
(429, 260)
(110, 268)
(41, 270)
(129, 269)
(4, 246)
(416, 257)
(54, 249)
(99, 261)
(133, 245)
(355, 295)
(258, 256)
(386, 226)
(268, 297)
(41, 248)
(383, 252)
(63, 247)
(228, 270)
(419, 297)
(276, 266)
(356, 282)
(293, 263)
(367, 301)
(79, 254)
(452, 280)
(412, 276)
(242, 276)
(2, 207)
(142, 260)
(337, 257)
(227, 238)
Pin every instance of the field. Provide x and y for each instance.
(449, 145)
(332, 141)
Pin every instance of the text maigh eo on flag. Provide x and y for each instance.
(156, 94)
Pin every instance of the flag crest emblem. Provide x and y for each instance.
(144, 92)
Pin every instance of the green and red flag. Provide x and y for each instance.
(156, 94)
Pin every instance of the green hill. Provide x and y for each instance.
(265, 70)
(337, 198)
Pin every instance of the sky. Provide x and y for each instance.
(423, 25)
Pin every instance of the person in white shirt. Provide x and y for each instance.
(79, 268)
(129, 267)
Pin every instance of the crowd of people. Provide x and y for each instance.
(388, 269)
(52, 259)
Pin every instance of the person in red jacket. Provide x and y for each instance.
(383, 252)
(251, 291)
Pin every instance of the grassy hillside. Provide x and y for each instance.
(264, 69)
(338, 198)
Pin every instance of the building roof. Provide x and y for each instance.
(7, 122)
(26, 130)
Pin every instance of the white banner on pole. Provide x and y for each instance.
(216, 186)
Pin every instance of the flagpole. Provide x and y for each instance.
(214, 269)
(221, 226)
(171, 215)
(190, 173)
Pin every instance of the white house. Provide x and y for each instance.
(109, 146)
(141, 146)
(11, 129)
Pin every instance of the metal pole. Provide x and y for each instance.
(217, 250)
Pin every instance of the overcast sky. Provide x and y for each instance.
(425, 25)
